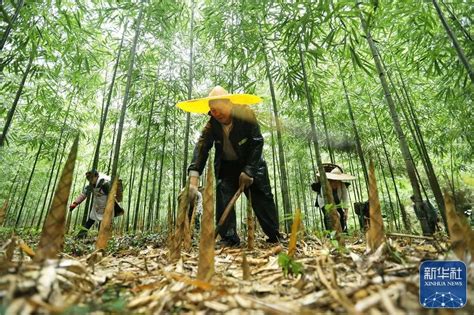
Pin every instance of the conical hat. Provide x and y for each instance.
(201, 105)
(336, 174)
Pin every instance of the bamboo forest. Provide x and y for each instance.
(236, 156)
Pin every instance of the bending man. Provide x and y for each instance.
(234, 131)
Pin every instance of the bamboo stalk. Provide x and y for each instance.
(190, 89)
(457, 46)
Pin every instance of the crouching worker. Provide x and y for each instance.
(427, 215)
(338, 182)
(233, 130)
(99, 186)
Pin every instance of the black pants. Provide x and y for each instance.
(328, 223)
(85, 228)
(89, 223)
(118, 211)
(263, 203)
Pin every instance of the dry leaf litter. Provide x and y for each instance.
(134, 280)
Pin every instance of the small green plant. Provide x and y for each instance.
(335, 243)
(330, 206)
(289, 265)
(333, 240)
(323, 234)
(111, 302)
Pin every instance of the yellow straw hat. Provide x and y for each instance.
(201, 105)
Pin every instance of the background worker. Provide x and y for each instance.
(338, 182)
(99, 186)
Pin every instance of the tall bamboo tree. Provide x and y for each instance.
(143, 166)
(190, 90)
(281, 157)
(10, 21)
(430, 172)
(162, 161)
(326, 191)
(409, 165)
(54, 164)
(131, 62)
(360, 153)
(405, 220)
(25, 194)
(457, 46)
(103, 119)
(18, 94)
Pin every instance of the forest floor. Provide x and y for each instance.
(136, 276)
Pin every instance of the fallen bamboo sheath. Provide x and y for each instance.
(227, 210)
(364, 304)
(337, 294)
(410, 236)
(275, 250)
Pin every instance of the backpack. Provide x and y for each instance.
(105, 188)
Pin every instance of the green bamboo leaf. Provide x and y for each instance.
(68, 21)
(78, 19)
(5, 15)
(86, 65)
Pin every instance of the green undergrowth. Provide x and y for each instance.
(112, 299)
(82, 246)
(289, 265)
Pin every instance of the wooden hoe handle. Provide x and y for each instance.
(227, 210)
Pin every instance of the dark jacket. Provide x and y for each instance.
(245, 137)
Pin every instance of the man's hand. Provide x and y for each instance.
(193, 188)
(72, 206)
(245, 180)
